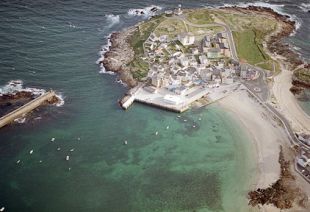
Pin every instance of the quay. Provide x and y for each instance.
(10, 117)
(177, 103)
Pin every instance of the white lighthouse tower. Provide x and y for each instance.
(179, 10)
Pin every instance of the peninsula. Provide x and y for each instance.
(234, 57)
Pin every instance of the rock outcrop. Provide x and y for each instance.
(120, 54)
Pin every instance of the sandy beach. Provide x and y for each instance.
(262, 130)
(267, 136)
(287, 103)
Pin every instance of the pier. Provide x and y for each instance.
(183, 101)
(10, 117)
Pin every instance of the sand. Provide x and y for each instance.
(287, 103)
(262, 130)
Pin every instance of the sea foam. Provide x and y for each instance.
(112, 19)
(103, 50)
(145, 12)
(305, 7)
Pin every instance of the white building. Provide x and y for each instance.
(203, 59)
(186, 38)
(184, 61)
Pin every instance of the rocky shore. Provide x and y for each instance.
(120, 53)
(283, 193)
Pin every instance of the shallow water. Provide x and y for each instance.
(55, 45)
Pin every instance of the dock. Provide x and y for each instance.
(185, 100)
(33, 104)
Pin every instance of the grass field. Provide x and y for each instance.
(199, 17)
(249, 46)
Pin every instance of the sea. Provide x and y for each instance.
(201, 160)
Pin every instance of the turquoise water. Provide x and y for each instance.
(55, 44)
(180, 169)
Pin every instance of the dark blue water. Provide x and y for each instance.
(55, 44)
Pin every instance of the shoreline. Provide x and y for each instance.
(266, 137)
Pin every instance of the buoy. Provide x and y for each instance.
(53, 139)
(2, 209)
(71, 150)
(167, 127)
(125, 142)
(156, 133)
(18, 161)
(31, 151)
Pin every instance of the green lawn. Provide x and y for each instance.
(249, 46)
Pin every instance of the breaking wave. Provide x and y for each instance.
(305, 7)
(103, 50)
(61, 100)
(15, 86)
(112, 19)
(145, 12)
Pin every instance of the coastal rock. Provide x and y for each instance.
(120, 54)
(283, 193)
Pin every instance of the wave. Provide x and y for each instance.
(305, 7)
(20, 120)
(145, 12)
(276, 7)
(103, 50)
(121, 82)
(61, 100)
(112, 19)
(15, 86)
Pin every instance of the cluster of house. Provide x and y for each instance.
(304, 163)
(182, 62)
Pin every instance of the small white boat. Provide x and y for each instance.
(71, 150)
(69, 168)
(53, 139)
(156, 133)
(199, 119)
(18, 161)
(167, 127)
(67, 157)
(125, 142)
(58, 149)
(40, 161)
(185, 120)
(2, 209)
(78, 138)
(194, 126)
(179, 116)
(31, 151)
